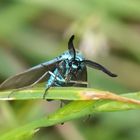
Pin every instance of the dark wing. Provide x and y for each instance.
(29, 76)
(99, 67)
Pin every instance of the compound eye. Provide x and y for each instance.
(74, 66)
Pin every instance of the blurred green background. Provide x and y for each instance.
(107, 31)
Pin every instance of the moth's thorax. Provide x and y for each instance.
(67, 55)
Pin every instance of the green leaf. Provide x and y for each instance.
(63, 93)
(94, 101)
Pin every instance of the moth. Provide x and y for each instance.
(68, 69)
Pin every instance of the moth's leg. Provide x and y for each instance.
(52, 82)
(88, 118)
(26, 87)
(45, 93)
(78, 82)
(50, 85)
(62, 102)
